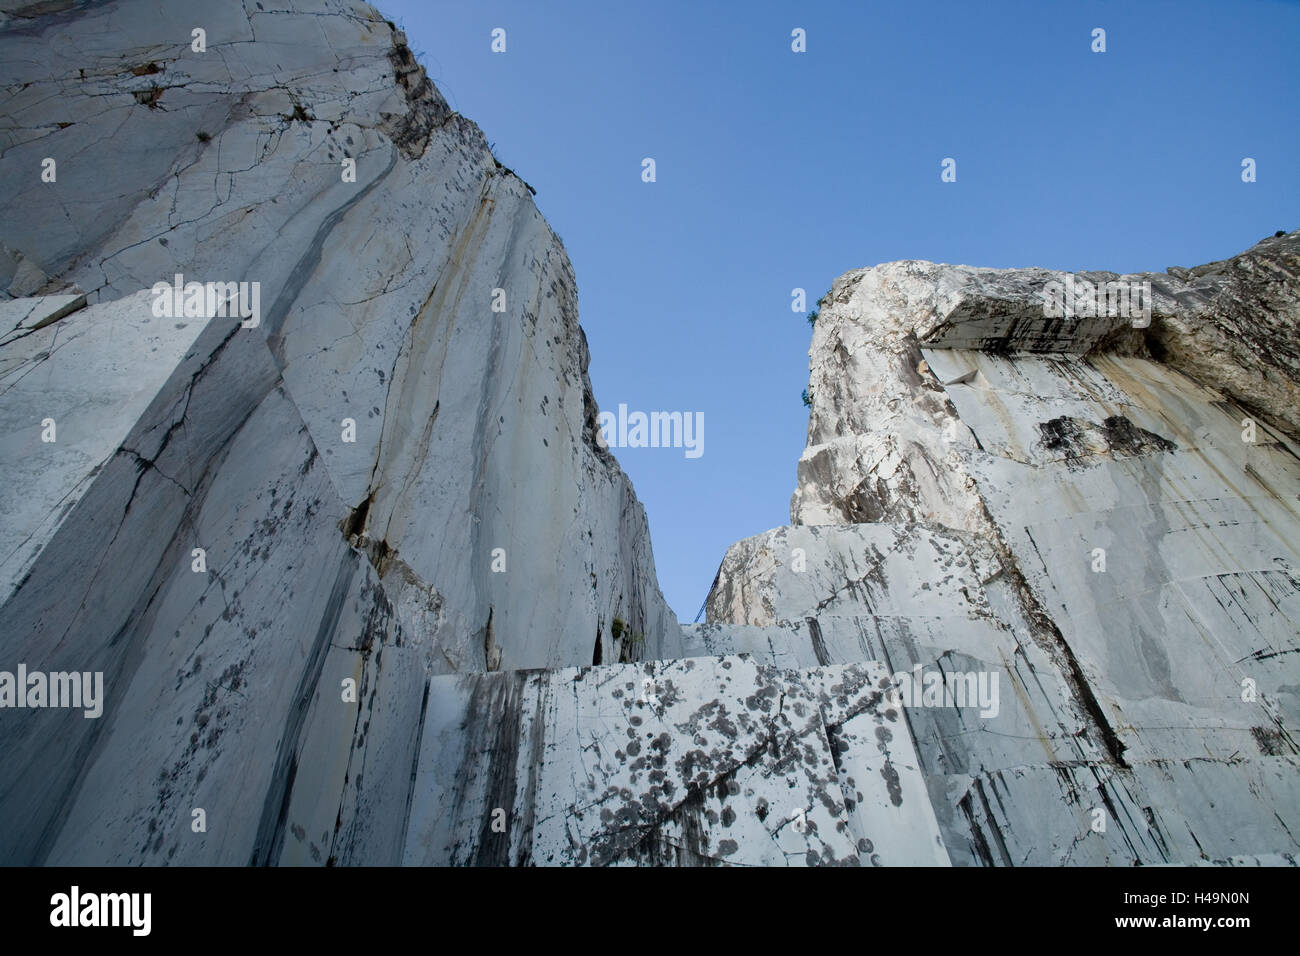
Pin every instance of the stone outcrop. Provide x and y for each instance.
(1103, 517)
(473, 524)
(363, 585)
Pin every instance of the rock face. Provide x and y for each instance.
(392, 475)
(1101, 519)
(690, 762)
(352, 580)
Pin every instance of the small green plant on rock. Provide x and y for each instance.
(630, 639)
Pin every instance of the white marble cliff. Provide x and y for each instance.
(1102, 512)
(365, 587)
(473, 523)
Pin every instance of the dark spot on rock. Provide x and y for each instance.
(1270, 741)
(892, 784)
(1116, 436)
(149, 97)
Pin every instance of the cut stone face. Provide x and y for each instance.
(989, 490)
(386, 478)
(342, 572)
(92, 376)
(20, 316)
(698, 761)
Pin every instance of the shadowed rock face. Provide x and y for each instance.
(341, 567)
(472, 523)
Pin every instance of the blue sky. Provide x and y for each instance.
(778, 170)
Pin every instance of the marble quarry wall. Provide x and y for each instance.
(389, 466)
(312, 553)
(1097, 515)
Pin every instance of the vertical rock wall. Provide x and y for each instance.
(342, 566)
(473, 524)
(1102, 518)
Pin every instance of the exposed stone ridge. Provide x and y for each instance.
(474, 523)
(342, 571)
(1231, 325)
(1103, 518)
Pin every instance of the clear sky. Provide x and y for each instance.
(778, 170)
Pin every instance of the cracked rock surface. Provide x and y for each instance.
(692, 762)
(344, 570)
(473, 524)
(1104, 517)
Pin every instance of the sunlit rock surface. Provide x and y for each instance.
(1107, 518)
(691, 762)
